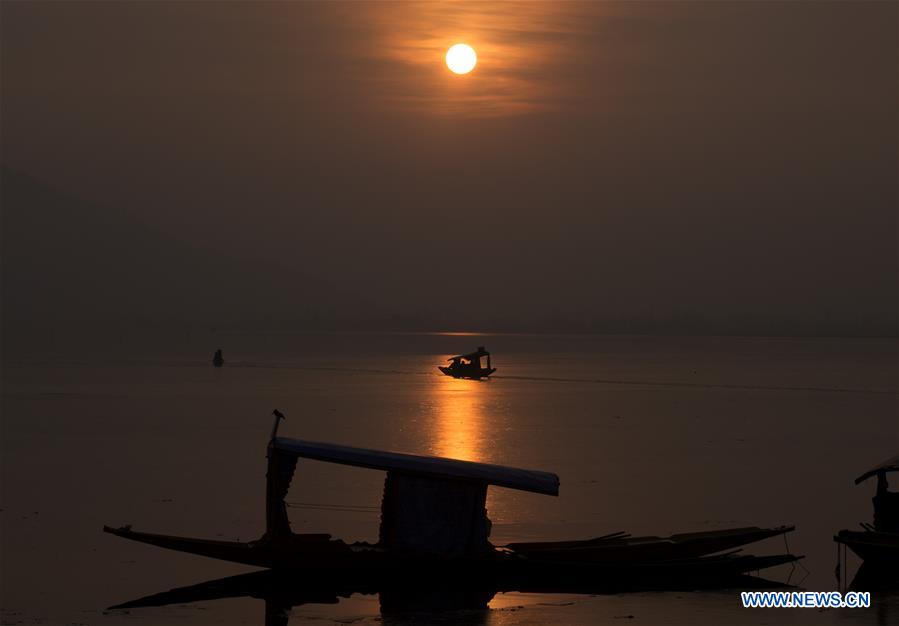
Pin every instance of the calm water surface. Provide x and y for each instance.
(648, 435)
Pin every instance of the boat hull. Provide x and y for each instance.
(624, 548)
(473, 373)
(876, 549)
(643, 570)
(287, 552)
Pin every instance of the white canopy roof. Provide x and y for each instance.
(511, 477)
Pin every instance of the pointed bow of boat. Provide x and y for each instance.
(234, 551)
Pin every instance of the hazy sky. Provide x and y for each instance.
(674, 166)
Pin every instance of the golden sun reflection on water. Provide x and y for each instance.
(466, 420)
(460, 420)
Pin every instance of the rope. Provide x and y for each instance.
(838, 570)
(801, 564)
(320, 506)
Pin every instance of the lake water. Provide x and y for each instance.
(649, 435)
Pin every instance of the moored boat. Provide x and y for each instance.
(434, 518)
(879, 550)
(878, 544)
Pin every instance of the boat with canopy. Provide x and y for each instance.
(469, 365)
(434, 519)
(878, 543)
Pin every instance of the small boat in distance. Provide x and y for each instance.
(878, 544)
(468, 365)
(218, 360)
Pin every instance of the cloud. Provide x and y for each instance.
(523, 50)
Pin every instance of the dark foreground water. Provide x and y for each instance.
(648, 435)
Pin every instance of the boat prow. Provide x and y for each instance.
(264, 552)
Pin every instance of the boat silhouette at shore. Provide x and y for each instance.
(877, 544)
(434, 533)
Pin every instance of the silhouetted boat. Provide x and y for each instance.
(879, 549)
(468, 365)
(434, 519)
(878, 544)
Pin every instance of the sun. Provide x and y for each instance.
(461, 58)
